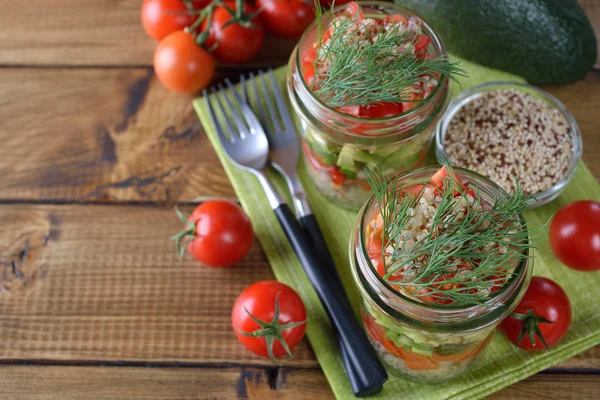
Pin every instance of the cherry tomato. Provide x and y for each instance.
(218, 234)
(182, 65)
(286, 18)
(281, 311)
(236, 44)
(575, 235)
(543, 301)
(162, 17)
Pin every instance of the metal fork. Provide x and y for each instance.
(249, 150)
(284, 152)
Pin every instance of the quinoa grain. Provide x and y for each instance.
(509, 135)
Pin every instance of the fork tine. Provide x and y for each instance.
(217, 94)
(261, 110)
(216, 122)
(241, 126)
(249, 117)
(269, 102)
(284, 112)
(244, 89)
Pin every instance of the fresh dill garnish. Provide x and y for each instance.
(363, 71)
(470, 247)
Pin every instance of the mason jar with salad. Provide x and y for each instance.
(369, 83)
(440, 258)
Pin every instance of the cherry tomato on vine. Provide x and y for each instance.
(544, 312)
(286, 18)
(575, 235)
(269, 319)
(182, 65)
(162, 17)
(218, 233)
(238, 42)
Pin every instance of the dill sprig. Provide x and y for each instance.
(363, 71)
(491, 240)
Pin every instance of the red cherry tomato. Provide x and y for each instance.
(162, 17)
(181, 65)
(259, 301)
(218, 234)
(236, 44)
(286, 18)
(545, 299)
(575, 235)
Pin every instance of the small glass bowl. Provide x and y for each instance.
(465, 97)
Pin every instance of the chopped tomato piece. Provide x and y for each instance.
(421, 42)
(310, 54)
(381, 110)
(414, 97)
(313, 158)
(353, 8)
(309, 74)
(336, 176)
(350, 110)
(394, 19)
(418, 189)
(438, 178)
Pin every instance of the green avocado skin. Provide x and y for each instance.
(544, 41)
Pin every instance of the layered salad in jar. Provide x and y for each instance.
(451, 264)
(376, 79)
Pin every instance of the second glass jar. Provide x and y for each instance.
(429, 342)
(332, 138)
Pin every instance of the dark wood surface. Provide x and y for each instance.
(94, 154)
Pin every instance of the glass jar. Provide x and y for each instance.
(332, 138)
(425, 341)
(540, 198)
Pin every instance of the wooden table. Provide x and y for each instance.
(94, 153)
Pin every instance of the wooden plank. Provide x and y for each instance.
(72, 32)
(103, 283)
(101, 135)
(85, 33)
(117, 135)
(82, 383)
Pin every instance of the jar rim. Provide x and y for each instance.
(436, 42)
(457, 313)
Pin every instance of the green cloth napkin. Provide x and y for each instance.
(502, 364)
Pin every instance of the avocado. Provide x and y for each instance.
(347, 159)
(327, 157)
(544, 41)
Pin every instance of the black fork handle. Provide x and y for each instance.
(358, 350)
(312, 230)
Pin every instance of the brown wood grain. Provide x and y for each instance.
(117, 135)
(103, 283)
(108, 33)
(101, 135)
(91, 33)
(83, 383)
